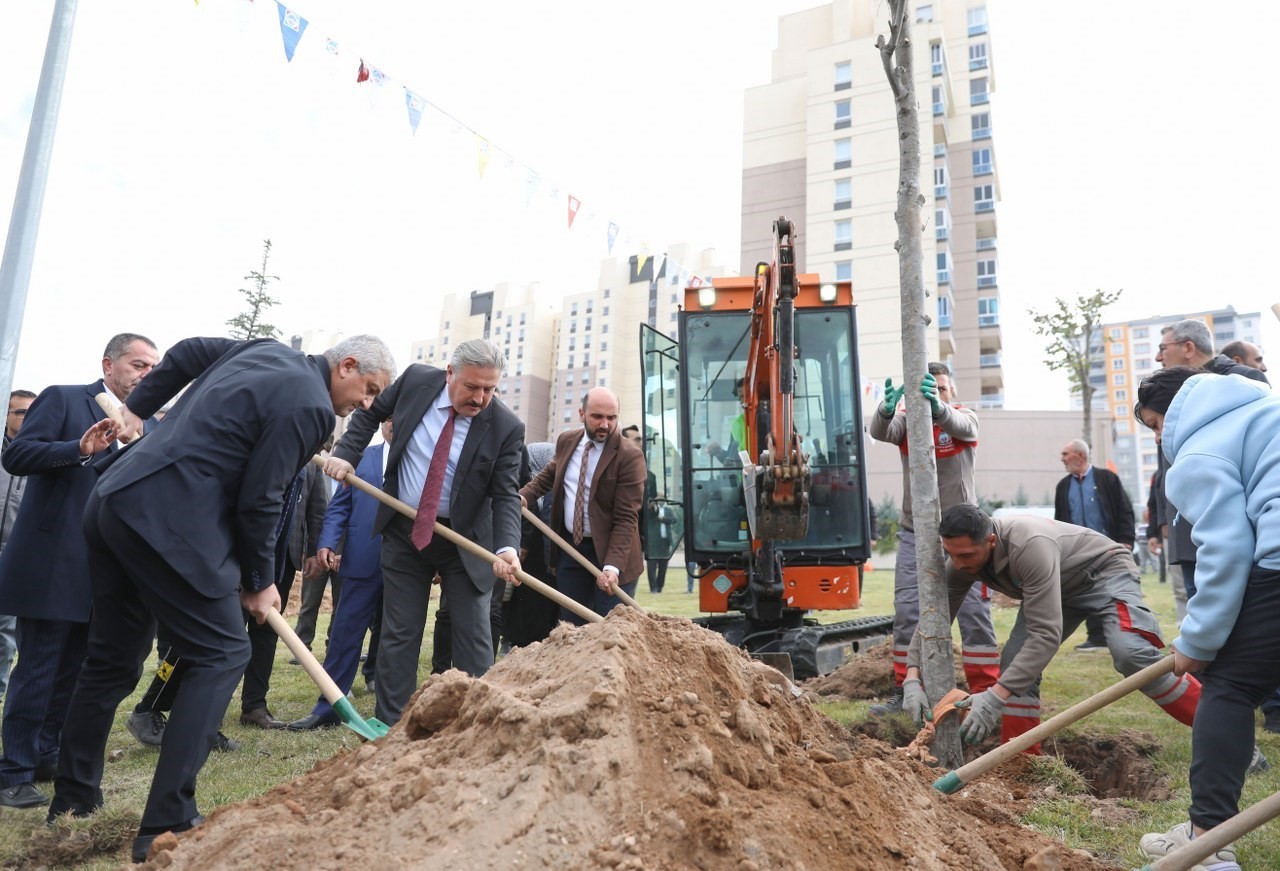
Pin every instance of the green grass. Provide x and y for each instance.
(269, 758)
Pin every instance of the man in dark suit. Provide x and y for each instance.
(471, 489)
(44, 573)
(348, 545)
(597, 483)
(182, 529)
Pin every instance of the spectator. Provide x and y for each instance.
(313, 585)
(955, 443)
(62, 431)
(11, 488)
(529, 616)
(1221, 436)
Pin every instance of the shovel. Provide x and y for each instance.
(109, 409)
(581, 560)
(952, 781)
(468, 545)
(370, 729)
(1191, 854)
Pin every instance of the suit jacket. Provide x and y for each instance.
(617, 498)
(44, 569)
(1117, 510)
(205, 489)
(348, 524)
(11, 489)
(308, 517)
(483, 505)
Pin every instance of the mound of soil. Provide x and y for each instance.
(869, 675)
(640, 742)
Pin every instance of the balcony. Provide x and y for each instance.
(986, 281)
(991, 320)
(991, 400)
(986, 243)
(987, 361)
(980, 206)
(944, 276)
(979, 99)
(941, 234)
(939, 192)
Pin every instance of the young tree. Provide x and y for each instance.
(934, 627)
(249, 324)
(1071, 328)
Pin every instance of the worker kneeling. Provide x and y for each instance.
(1062, 574)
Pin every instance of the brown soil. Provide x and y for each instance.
(641, 742)
(869, 675)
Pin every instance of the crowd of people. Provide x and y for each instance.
(180, 535)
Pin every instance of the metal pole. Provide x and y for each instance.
(20, 246)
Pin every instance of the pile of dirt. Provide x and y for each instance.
(869, 675)
(640, 742)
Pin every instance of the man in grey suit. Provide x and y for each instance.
(471, 488)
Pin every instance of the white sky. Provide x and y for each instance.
(1129, 144)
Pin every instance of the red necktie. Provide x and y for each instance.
(425, 523)
(580, 498)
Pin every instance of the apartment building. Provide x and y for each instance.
(821, 147)
(1121, 356)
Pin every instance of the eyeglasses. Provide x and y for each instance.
(20, 412)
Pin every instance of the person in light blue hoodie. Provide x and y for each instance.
(1221, 435)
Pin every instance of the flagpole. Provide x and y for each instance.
(20, 245)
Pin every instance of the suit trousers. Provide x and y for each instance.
(406, 593)
(580, 585)
(50, 654)
(312, 599)
(133, 587)
(352, 619)
(262, 644)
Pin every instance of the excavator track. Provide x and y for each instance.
(813, 648)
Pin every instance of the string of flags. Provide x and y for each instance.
(293, 27)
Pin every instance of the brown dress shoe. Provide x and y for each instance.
(261, 718)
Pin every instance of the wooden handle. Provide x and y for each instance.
(581, 560)
(1188, 856)
(305, 658)
(110, 409)
(965, 773)
(467, 544)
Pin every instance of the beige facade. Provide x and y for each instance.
(820, 146)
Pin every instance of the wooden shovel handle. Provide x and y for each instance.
(305, 658)
(1192, 854)
(581, 560)
(467, 544)
(109, 408)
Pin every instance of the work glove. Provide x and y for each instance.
(915, 702)
(985, 710)
(892, 395)
(929, 387)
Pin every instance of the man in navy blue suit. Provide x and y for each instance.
(349, 546)
(182, 529)
(44, 571)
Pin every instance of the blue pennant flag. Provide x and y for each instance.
(613, 235)
(292, 26)
(415, 104)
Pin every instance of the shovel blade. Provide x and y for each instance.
(371, 729)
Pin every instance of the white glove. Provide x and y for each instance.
(985, 710)
(915, 702)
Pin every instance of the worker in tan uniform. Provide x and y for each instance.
(1062, 574)
(955, 444)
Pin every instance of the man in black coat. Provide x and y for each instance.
(182, 528)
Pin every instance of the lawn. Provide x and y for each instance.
(266, 759)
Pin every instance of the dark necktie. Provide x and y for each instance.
(425, 523)
(580, 498)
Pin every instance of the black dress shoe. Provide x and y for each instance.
(261, 718)
(142, 843)
(22, 795)
(59, 807)
(223, 744)
(314, 721)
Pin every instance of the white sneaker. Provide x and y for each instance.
(1157, 845)
(1258, 763)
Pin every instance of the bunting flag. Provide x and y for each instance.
(377, 76)
(292, 26)
(415, 105)
(574, 205)
(331, 46)
(642, 259)
(530, 188)
(613, 235)
(695, 282)
(482, 154)
(659, 261)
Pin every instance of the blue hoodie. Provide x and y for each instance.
(1222, 437)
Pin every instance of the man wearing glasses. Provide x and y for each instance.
(11, 487)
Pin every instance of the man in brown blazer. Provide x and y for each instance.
(597, 478)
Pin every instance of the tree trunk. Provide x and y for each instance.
(934, 628)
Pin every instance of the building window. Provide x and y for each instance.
(942, 229)
(987, 273)
(844, 194)
(1142, 348)
(982, 161)
(843, 153)
(924, 12)
(939, 182)
(844, 235)
(1117, 364)
(604, 346)
(604, 312)
(988, 311)
(935, 57)
(844, 270)
(1120, 396)
(844, 113)
(1140, 332)
(984, 198)
(1116, 333)
(977, 21)
(978, 56)
(978, 91)
(939, 105)
(1117, 347)
(944, 312)
(944, 267)
(844, 75)
(980, 125)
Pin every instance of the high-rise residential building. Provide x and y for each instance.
(1121, 356)
(559, 345)
(821, 147)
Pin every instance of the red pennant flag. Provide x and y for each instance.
(574, 205)
(363, 74)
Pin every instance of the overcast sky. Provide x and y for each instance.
(1129, 138)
